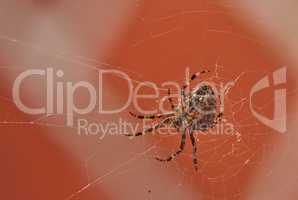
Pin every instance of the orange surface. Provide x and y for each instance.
(160, 40)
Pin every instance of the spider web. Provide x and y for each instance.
(222, 159)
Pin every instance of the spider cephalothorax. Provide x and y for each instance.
(196, 111)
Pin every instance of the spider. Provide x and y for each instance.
(196, 111)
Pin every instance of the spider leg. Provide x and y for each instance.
(183, 97)
(171, 100)
(194, 150)
(196, 75)
(150, 116)
(181, 148)
(192, 78)
(217, 118)
(186, 85)
(154, 128)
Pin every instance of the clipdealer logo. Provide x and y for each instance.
(66, 104)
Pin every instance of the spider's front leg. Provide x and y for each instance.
(154, 128)
(196, 75)
(171, 100)
(150, 116)
(181, 148)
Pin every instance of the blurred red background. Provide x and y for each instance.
(149, 40)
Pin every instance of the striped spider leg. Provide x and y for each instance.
(161, 124)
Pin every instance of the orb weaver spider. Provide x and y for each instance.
(196, 111)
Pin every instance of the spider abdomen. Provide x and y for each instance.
(203, 104)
